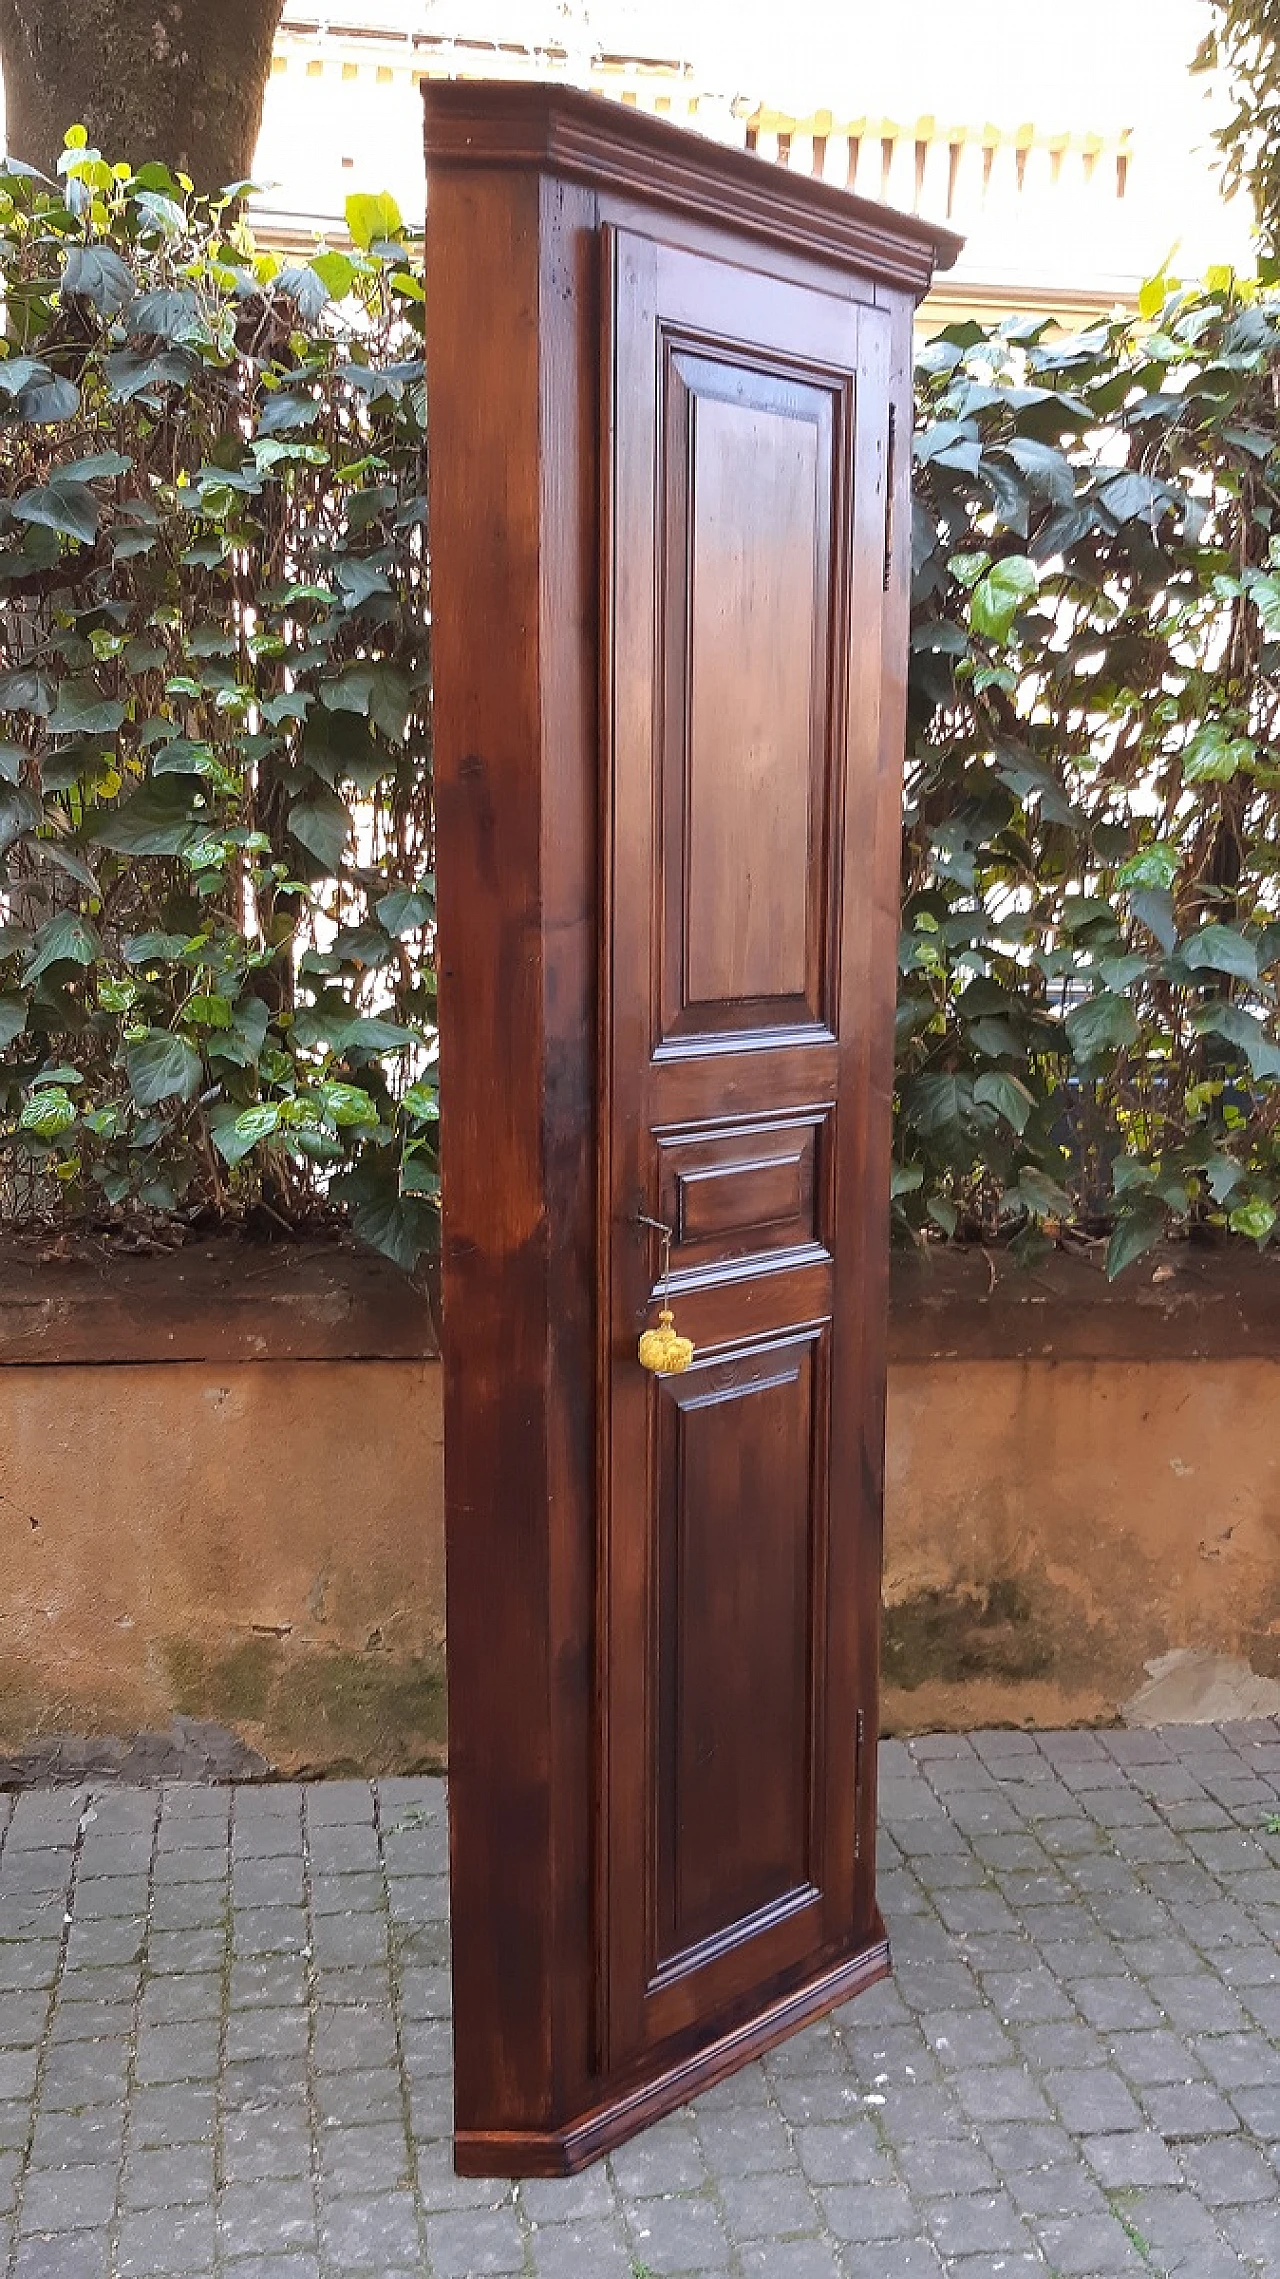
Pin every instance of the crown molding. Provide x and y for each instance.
(586, 138)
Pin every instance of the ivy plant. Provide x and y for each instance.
(216, 882)
(216, 833)
(1090, 953)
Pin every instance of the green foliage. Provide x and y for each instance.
(216, 892)
(1090, 953)
(1243, 41)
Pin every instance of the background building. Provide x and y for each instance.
(1070, 146)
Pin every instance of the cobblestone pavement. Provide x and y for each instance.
(224, 2041)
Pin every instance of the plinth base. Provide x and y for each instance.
(562, 2152)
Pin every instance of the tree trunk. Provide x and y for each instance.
(177, 80)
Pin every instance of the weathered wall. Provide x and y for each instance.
(1052, 1526)
(250, 1535)
(1080, 1477)
(203, 1532)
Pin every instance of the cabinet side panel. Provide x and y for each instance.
(882, 823)
(570, 565)
(483, 379)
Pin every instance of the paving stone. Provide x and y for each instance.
(470, 2245)
(912, 2259)
(93, 2137)
(767, 2207)
(682, 2232)
(269, 2215)
(1088, 2247)
(173, 2178)
(1002, 2093)
(181, 2113)
(1127, 2157)
(747, 2141)
(356, 2159)
(584, 2250)
(177, 2240)
(1080, 2036)
(862, 2212)
(370, 2234)
(1193, 2109)
(665, 2158)
(69, 2199)
(948, 2166)
(186, 2052)
(840, 2154)
(84, 2073)
(977, 2223)
(794, 2259)
(270, 2143)
(1062, 2187)
(62, 2255)
(1092, 2102)
(1227, 2172)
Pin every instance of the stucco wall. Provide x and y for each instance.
(238, 1518)
(233, 1515)
(1052, 1526)
(260, 1544)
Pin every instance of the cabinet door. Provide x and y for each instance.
(745, 559)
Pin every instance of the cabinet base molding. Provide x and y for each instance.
(562, 2152)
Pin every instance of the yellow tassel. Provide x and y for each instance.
(662, 1350)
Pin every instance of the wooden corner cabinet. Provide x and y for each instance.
(669, 415)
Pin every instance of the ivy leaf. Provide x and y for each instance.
(282, 413)
(67, 939)
(1244, 1030)
(1155, 866)
(372, 218)
(1255, 1219)
(347, 1104)
(49, 402)
(95, 273)
(162, 1067)
(1136, 1231)
(1152, 906)
(68, 507)
(47, 1112)
(336, 273)
(235, 1136)
(1042, 1196)
(359, 580)
(1214, 755)
(158, 820)
(322, 824)
(997, 597)
(26, 688)
(939, 1104)
(1008, 1095)
(405, 909)
(1103, 1023)
(402, 1227)
(13, 1017)
(20, 812)
(1219, 949)
(98, 468)
(1047, 469)
(83, 710)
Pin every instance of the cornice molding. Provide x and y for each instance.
(586, 138)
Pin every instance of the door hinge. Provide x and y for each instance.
(890, 476)
(859, 1739)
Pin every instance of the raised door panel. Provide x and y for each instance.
(738, 1568)
(747, 549)
(741, 502)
